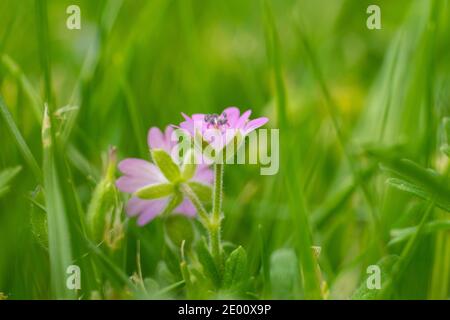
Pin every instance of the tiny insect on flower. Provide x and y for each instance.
(219, 130)
(154, 190)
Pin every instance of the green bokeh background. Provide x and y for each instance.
(332, 86)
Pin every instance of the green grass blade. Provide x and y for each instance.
(274, 52)
(58, 227)
(44, 49)
(399, 235)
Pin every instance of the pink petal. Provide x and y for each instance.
(131, 184)
(136, 205)
(168, 139)
(152, 209)
(187, 208)
(254, 124)
(203, 174)
(141, 168)
(198, 117)
(155, 139)
(186, 117)
(188, 126)
(232, 115)
(138, 173)
(229, 135)
(242, 121)
(214, 137)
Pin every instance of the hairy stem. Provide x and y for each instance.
(214, 229)
(212, 223)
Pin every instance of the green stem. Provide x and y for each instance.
(210, 222)
(214, 227)
(218, 183)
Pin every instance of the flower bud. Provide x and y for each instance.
(103, 206)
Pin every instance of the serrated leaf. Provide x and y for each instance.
(155, 191)
(208, 264)
(165, 163)
(203, 191)
(235, 268)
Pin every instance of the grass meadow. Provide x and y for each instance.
(363, 188)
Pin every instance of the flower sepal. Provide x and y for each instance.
(167, 166)
(155, 191)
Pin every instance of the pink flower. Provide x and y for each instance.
(219, 130)
(139, 173)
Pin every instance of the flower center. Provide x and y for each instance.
(216, 121)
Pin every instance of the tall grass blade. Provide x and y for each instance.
(58, 228)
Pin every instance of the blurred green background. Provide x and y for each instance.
(345, 98)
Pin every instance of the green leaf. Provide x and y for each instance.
(235, 268)
(203, 191)
(421, 193)
(165, 163)
(207, 262)
(399, 235)
(155, 191)
(423, 182)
